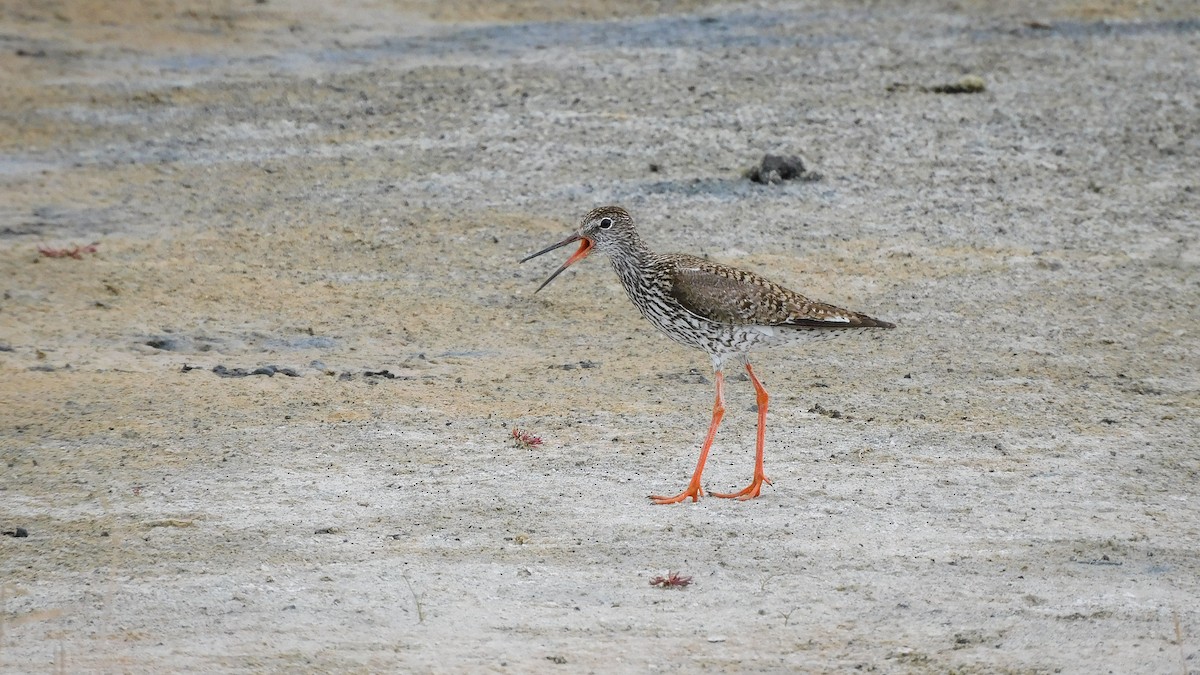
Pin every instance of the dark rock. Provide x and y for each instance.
(969, 84)
(168, 343)
(269, 371)
(777, 168)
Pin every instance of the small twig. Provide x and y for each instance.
(1179, 641)
(1102, 560)
(416, 600)
(969, 84)
(60, 659)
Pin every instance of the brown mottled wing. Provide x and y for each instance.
(729, 295)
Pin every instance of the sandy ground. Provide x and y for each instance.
(1007, 482)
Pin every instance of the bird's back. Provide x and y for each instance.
(724, 310)
(729, 295)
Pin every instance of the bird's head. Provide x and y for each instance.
(608, 228)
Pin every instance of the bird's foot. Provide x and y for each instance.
(693, 490)
(749, 492)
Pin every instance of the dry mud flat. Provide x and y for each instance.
(266, 424)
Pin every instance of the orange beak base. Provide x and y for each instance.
(585, 247)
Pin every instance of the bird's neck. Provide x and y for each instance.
(632, 265)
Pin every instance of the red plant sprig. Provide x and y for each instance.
(75, 252)
(672, 580)
(525, 439)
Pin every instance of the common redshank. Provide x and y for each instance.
(722, 310)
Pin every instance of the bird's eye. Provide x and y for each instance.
(605, 223)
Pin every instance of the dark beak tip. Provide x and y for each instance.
(571, 239)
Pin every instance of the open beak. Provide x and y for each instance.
(585, 247)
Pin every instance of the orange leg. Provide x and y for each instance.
(693, 489)
(751, 491)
